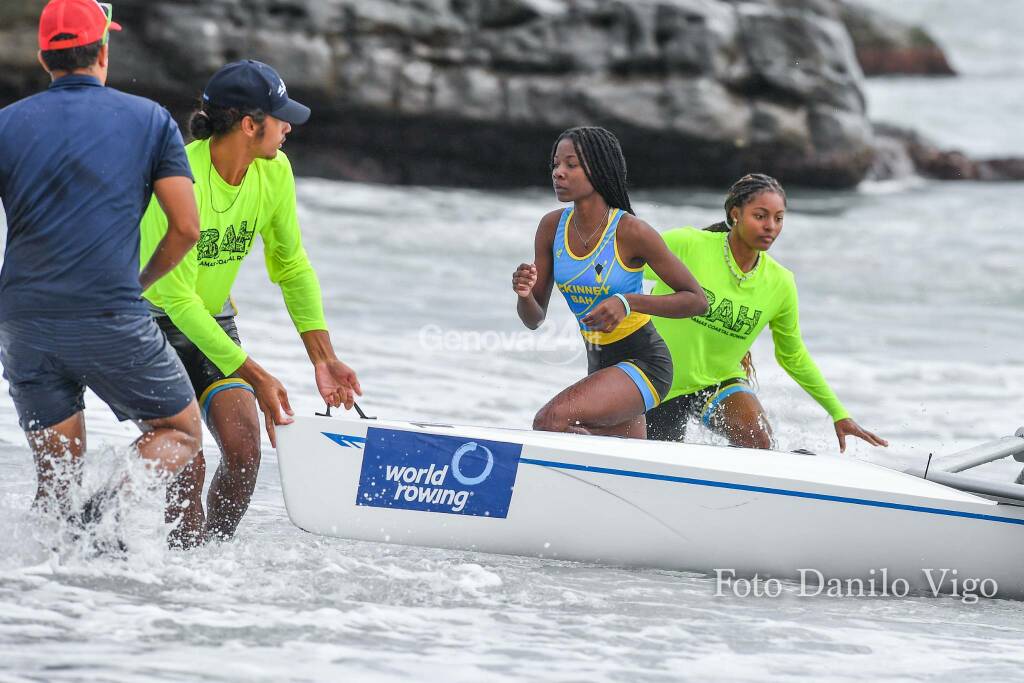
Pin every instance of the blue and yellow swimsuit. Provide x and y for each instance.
(585, 281)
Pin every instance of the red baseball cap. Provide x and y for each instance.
(86, 20)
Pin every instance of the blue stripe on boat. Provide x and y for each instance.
(359, 442)
(772, 491)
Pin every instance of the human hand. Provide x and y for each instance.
(337, 383)
(847, 427)
(524, 279)
(606, 316)
(273, 401)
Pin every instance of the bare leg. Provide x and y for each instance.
(234, 421)
(740, 418)
(169, 444)
(57, 451)
(172, 446)
(187, 487)
(606, 402)
(631, 429)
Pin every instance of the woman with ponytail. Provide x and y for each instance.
(746, 290)
(595, 252)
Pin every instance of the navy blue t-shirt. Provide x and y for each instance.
(77, 167)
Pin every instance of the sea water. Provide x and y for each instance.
(910, 298)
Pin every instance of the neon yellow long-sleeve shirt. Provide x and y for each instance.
(707, 349)
(230, 217)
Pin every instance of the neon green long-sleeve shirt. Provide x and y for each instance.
(708, 349)
(230, 217)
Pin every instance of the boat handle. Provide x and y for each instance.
(362, 415)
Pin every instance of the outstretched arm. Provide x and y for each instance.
(792, 355)
(288, 265)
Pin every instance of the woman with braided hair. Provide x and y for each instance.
(595, 252)
(746, 290)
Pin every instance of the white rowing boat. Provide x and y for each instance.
(649, 504)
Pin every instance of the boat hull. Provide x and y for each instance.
(634, 503)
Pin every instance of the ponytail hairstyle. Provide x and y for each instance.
(741, 192)
(209, 120)
(603, 163)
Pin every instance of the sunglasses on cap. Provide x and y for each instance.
(108, 12)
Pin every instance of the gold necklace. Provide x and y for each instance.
(586, 240)
(209, 185)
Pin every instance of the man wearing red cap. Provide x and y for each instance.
(78, 165)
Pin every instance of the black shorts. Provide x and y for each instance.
(207, 379)
(668, 421)
(643, 356)
(123, 358)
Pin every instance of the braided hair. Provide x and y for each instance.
(603, 163)
(741, 192)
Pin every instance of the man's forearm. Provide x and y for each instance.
(179, 205)
(169, 252)
(318, 346)
(252, 372)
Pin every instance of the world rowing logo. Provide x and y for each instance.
(435, 473)
(457, 460)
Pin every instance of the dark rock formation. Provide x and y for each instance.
(885, 45)
(899, 150)
(473, 92)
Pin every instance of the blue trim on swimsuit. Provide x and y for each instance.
(721, 396)
(641, 382)
(240, 384)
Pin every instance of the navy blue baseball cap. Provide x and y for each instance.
(255, 85)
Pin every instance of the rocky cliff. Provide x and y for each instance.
(887, 46)
(473, 92)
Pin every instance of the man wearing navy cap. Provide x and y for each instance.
(79, 163)
(244, 187)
